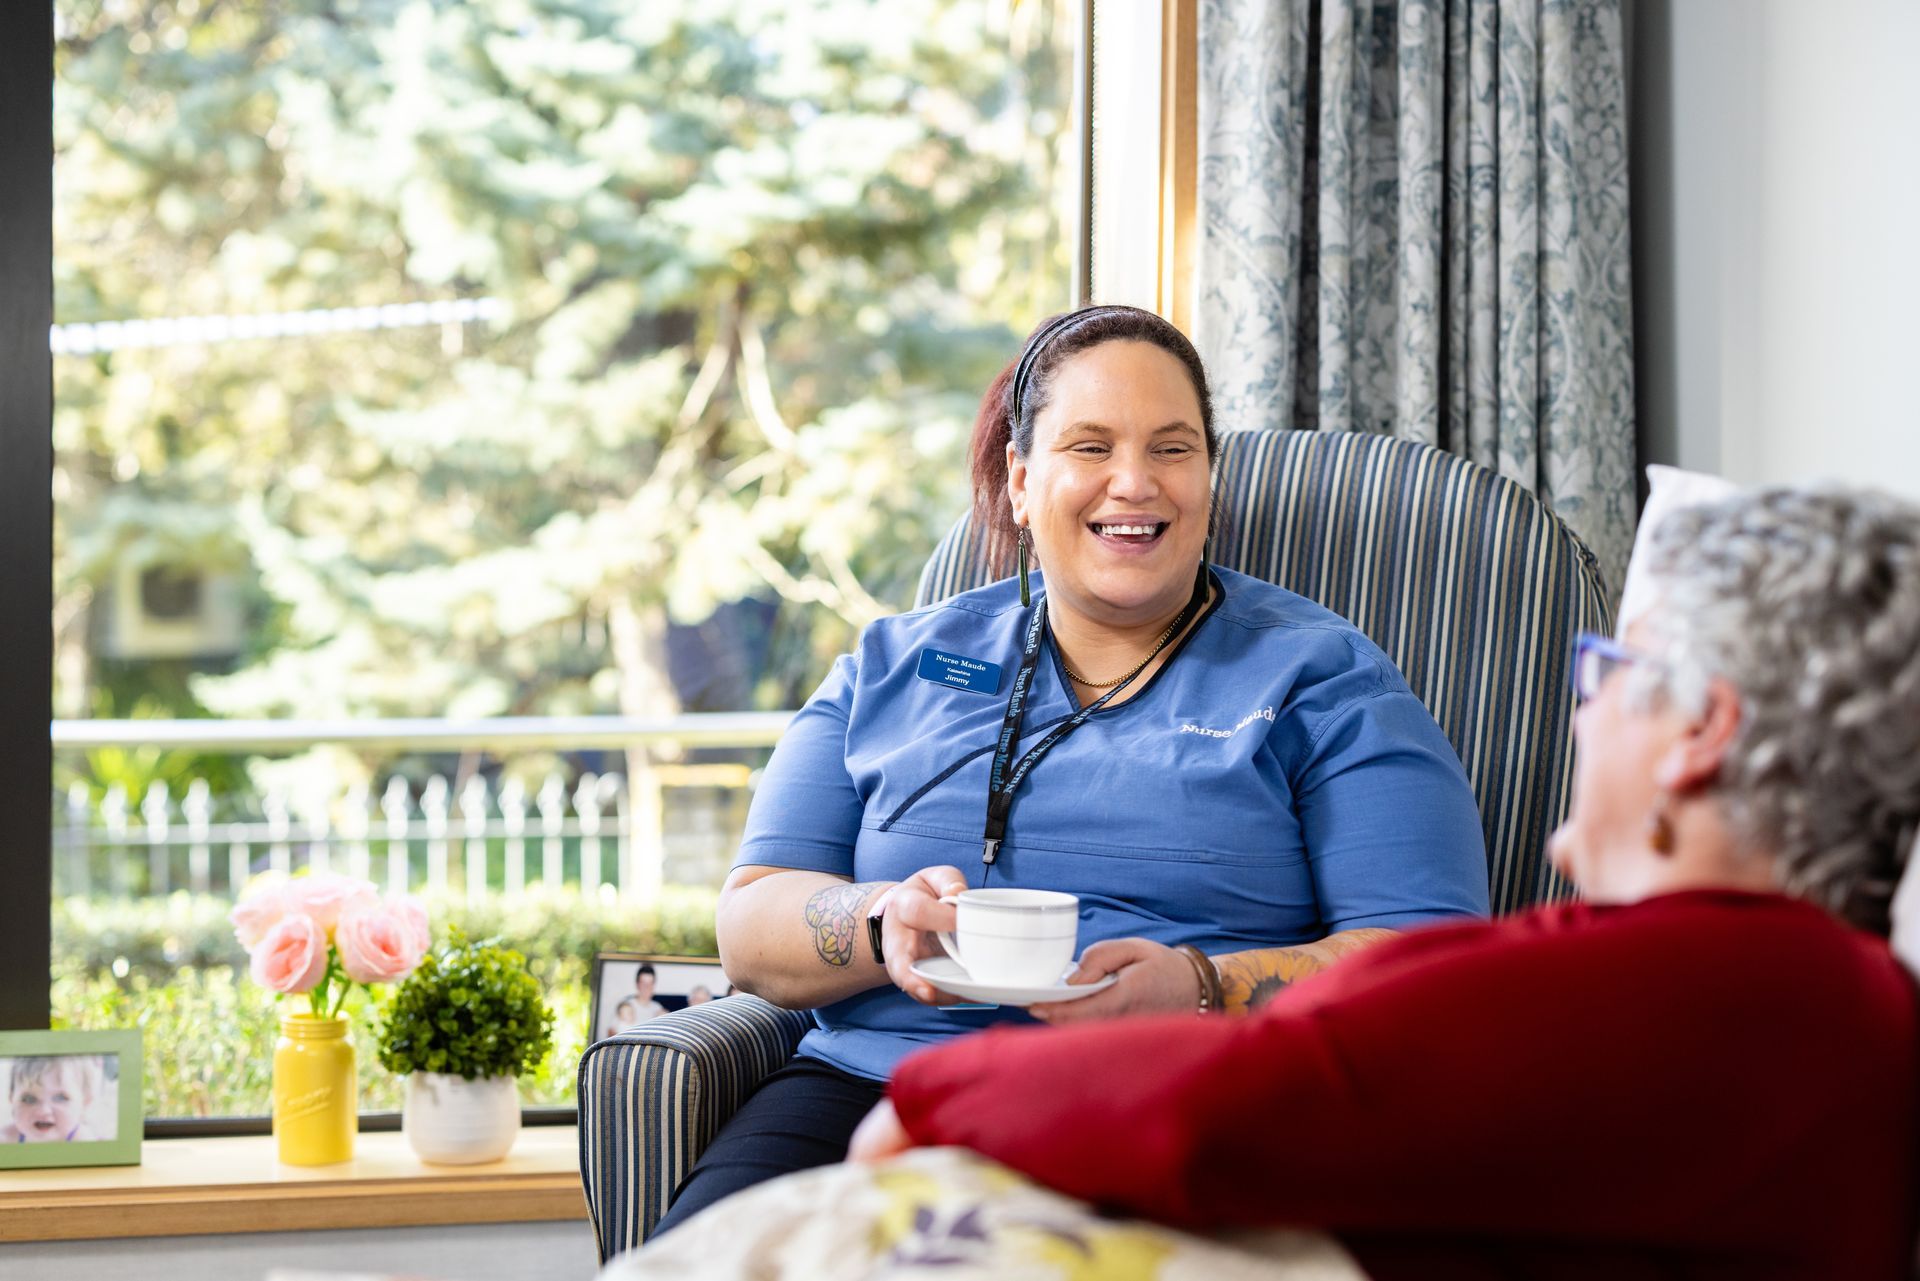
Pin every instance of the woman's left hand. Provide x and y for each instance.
(1154, 979)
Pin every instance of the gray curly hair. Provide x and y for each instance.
(1808, 602)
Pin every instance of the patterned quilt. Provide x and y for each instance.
(941, 1214)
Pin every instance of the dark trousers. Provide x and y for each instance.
(802, 1116)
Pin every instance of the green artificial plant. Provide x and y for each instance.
(471, 1010)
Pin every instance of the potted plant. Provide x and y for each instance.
(462, 1029)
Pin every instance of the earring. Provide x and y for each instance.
(1026, 593)
(1660, 827)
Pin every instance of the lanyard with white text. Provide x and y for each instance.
(1002, 784)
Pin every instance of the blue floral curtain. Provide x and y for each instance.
(1414, 221)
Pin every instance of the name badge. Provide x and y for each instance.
(958, 672)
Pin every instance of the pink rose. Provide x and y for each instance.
(258, 912)
(324, 895)
(292, 956)
(415, 913)
(381, 942)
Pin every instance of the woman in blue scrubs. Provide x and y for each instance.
(1236, 783)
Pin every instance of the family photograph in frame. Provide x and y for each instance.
(629, 988)
(72, 1098)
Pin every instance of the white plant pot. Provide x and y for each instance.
(452, 1121)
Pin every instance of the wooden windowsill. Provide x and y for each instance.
(186, 1187)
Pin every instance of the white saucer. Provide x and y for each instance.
(945, 973)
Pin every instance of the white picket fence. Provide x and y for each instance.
(677, 823)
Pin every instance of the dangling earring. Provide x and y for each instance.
(1660, 827)
(1026, 593)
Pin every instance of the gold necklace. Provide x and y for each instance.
(1151, 655)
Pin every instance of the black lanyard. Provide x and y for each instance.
(1001, 784)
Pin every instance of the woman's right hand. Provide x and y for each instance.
(914, 914)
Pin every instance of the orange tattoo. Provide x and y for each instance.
(1251, 979)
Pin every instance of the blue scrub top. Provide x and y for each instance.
(1275, 782)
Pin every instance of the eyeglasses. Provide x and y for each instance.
(1596, 657)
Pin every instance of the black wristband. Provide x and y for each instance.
(875, 916)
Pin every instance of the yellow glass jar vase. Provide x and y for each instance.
(316, 1094)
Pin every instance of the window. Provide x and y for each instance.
(443, 363)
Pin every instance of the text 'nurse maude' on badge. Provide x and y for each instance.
(959, 672)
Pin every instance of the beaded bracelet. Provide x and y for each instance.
(1211, 996)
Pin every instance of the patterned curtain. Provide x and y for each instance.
(1414, 221)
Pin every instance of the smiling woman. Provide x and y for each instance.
(1115, 498)
(1219, 771)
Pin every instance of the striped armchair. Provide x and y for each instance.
(1463, 578)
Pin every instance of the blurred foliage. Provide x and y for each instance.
(470, 1010)
(171, 967)
(758, 257)
(558, 932)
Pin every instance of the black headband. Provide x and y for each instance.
(1023, 373)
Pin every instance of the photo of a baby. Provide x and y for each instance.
(63, 1098)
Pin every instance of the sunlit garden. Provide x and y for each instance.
(451, 365)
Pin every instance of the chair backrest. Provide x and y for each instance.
(1467, 582)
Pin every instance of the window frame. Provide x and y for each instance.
(26, 513)
(1141, 231)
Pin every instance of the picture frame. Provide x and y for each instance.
(677, 982)
(81, 1090)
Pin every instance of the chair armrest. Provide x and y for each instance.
(652, 1098)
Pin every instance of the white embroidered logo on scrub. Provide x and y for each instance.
(1264, 714)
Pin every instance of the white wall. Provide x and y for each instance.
(1777, 237)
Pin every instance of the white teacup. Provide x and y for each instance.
(1020, 938)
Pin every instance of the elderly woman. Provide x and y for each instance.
(1707, 1069)
(1234, 781)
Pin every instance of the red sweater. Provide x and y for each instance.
(1704, 1085)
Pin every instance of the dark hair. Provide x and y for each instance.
(644, 969)
(1020, 392)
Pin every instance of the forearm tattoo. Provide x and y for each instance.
(1249, 980)
(834, 917)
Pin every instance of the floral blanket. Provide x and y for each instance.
(942, 1214)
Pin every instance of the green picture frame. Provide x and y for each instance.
(109, 1062)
